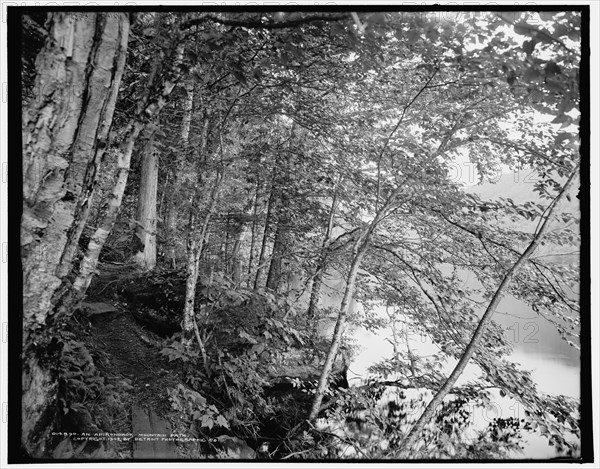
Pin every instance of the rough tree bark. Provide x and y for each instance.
(171, 215)
(279, 247)
(239, 234)
(266, 233)
(253, 230)
(282, 213)
(315, 292)
(64, 129)
(145, 229)
(410, 442)
(148, 110)
(236, 259)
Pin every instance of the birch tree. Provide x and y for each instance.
(65, 131)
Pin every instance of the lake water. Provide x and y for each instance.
(537, 347)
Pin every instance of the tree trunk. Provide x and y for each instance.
(145, 230)
(148, 110)
(179, 172)
(64, 130)
(412, 438)
(322, 262)
(87, 268)
(196, 244)
(236, 268)
(358, 252)
(279, 243)
(357, 256)
(195, 240)
(265, 239)
(240, 235)
(253, 232)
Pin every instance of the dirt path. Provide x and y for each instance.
(133, 353)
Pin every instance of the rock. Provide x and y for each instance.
(79, 419)
(147, 426)
(92, 310)
(236, 448)
(158, 323)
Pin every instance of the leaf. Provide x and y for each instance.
(529, 46)
(222, 421)
(532, 74)
(561, 119)
(432, 35)
(240, 77)
(248, 337)
(412, 35)
(547, 15)
(560, 30)
(377, 18)
(207, 422)
(337, 29)
(509, 16)
(554, 87)
(258, 73)
(552, 69)
(524, 28)
(561, 137)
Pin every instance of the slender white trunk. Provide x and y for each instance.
(315, 292)
(148, 110)
(358, 253)
(410, 442)
(87, 268)
(179, 173)
(196, 242)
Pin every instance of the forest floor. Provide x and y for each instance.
(132, 354)
(119, 326)
(119, 380)
(127, 353)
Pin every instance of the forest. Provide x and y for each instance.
(213, 202)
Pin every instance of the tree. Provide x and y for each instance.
(145, 231)
(153, 98)
(410, 442)
(59, 172)
(281, 148)
(430, 179)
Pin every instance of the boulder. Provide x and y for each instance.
(235, 448)
(93, 310)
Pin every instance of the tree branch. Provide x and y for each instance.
(260, 24)
(415, 433)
